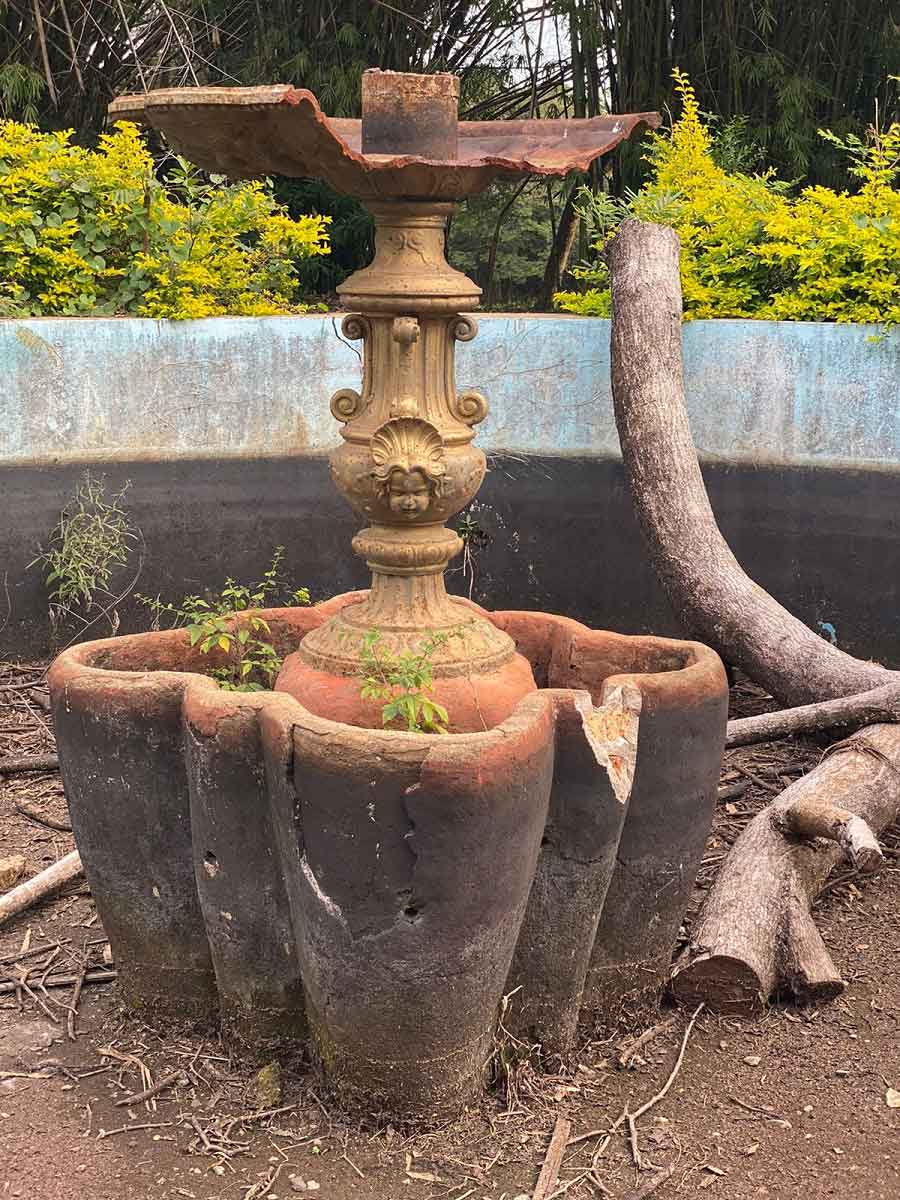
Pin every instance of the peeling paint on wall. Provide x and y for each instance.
(121, 389)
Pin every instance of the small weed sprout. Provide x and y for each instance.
(512, 1061)
(92, 538)
(473, 538)
(253, 662)
(402, 682)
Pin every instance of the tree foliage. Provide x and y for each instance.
(769, 74)
(751, 249)
(788, 67)
(501, 239)
(64, 60)
(94, 231)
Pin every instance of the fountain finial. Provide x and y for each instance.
(410, 114)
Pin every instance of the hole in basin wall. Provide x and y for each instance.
(210, 864)
(410, 910)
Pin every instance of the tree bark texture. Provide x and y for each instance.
(704, 582)
(755, 935)
(816, 817)
(558, 259)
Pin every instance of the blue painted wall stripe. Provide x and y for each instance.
(120, 389)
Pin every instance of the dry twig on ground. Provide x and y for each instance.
(37, 762)
(550, 1170)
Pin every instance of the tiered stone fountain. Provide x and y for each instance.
(280, 862)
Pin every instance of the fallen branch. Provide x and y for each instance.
(37, 762)
(755, 935)
(148, 1093)
(633, 1141)
(810, 817)
(553, 1160)
(38, 888)
(847, 714)
(761, 1112)
(759, 780)
(53, 981)
(105, 1133)
(29, 953)
(607, 1134)
(629, 1048)
(673, 1074)
(655, 1181)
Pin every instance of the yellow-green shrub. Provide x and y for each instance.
(842, 252)
(750, 250)
(94, 232)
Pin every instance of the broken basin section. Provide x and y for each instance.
(378, 892)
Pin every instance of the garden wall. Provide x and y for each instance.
(222, 426)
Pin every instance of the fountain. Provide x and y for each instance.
(279, 862)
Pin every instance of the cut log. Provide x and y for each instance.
(32, 891)
(843, 715)
(755, 935)
(705, 584)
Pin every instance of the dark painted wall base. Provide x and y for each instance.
(561, 537)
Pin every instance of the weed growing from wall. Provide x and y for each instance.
(93, 537)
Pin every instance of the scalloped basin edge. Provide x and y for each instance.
(375, 893)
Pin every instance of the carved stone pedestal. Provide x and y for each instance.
(407, 464)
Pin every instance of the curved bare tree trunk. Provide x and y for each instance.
(703, 580)
(755, 934)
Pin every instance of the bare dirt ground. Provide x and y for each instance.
(794, 1103)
